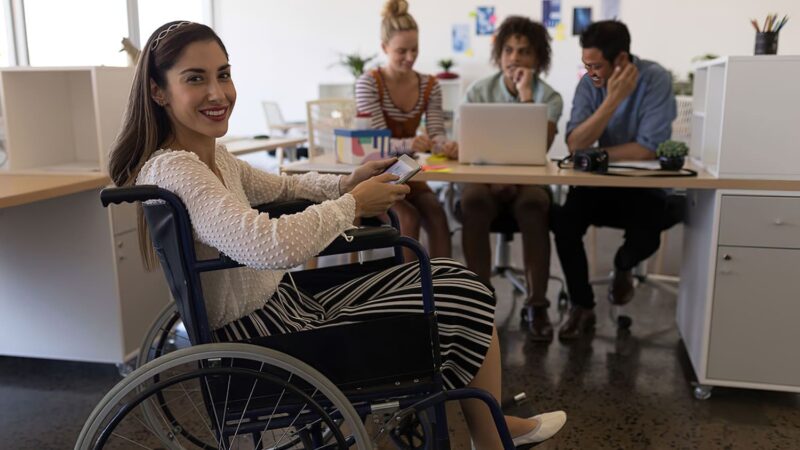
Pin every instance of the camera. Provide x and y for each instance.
(591, 160)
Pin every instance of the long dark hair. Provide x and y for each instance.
(145, 125)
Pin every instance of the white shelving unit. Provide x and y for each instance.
(745, 117)
(72, 284)
(738, 304)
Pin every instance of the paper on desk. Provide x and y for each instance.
(649, 165)
(334, 168)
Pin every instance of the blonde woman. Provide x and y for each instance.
(397, 97)
(180, 103)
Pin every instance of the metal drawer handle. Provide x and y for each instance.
(778, 221)
(727, 257)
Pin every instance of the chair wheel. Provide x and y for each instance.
(563, 300)
(702, 392)
(415, 433)
(624, 322)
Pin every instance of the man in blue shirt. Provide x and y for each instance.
(626, 105)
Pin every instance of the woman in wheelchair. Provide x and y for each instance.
(180, 103)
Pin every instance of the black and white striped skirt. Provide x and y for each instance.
(464, 305)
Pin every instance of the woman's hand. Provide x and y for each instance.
(376, 195)
(450, 149)
(364, 172)
(422, 143)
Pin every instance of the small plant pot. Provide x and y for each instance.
(671, 162)
(446, 75)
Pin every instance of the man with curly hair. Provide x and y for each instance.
(521, 51)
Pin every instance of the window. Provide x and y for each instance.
(5, 44)
(154, 13)
(76, 32)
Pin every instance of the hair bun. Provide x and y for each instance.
(395, 8)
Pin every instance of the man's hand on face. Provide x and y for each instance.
(622, 82)
(523, 81)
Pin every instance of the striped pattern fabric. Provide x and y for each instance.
(464, 305)
(368, 100)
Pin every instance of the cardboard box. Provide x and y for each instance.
(358, 146)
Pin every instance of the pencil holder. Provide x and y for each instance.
(766, 43)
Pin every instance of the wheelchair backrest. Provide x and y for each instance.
(171, 233)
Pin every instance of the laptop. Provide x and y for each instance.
(502, 133)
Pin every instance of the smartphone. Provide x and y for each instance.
(405, 167)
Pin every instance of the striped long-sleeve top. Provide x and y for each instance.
(368, 100)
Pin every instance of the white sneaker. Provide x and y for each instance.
(549, 424)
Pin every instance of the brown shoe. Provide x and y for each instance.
(620, 291)
(581, 320)
(538, 321)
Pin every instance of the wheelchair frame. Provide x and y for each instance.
(172, 235)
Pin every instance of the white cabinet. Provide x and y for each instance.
(738, 304)
(72, 284)
(745, 116)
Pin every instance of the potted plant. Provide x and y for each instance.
(446, 64)
(672, 154)
(355, 63)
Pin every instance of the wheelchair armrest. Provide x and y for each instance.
(130, 194)
(277, 209)
(363, 239)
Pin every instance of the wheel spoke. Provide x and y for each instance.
(275, 408)
(131, 441)
(199, 414)
(216, 416)
(299, 413)
(247, 403)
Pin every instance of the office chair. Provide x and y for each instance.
(676, 206)
(276, 122)
(324, 116)
(505, 226)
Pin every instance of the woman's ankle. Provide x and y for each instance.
(517, 426)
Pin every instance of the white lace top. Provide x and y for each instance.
(223, 220)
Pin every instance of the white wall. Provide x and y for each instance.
(281, 50)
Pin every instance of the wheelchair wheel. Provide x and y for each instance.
(224, 396)
(166, 334)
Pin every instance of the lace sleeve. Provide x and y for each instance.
(223, 221)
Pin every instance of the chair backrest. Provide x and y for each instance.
(323, 116)
(171, 234)
(682, 125)
(273, 115)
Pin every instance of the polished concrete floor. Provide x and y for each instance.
(621, 391)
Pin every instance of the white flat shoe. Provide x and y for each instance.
(549, 424)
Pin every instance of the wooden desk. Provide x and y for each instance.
(551, 174)
(243, 146)
(72, 285)
(23, 188)
(740, 269)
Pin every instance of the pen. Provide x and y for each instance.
(755, 25)
(783, 22)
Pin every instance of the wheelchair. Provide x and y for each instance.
(306, 390)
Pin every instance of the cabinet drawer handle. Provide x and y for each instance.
(778, 221)
(727, 257)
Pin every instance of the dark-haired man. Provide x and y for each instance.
(626, 105)
(521, 51)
